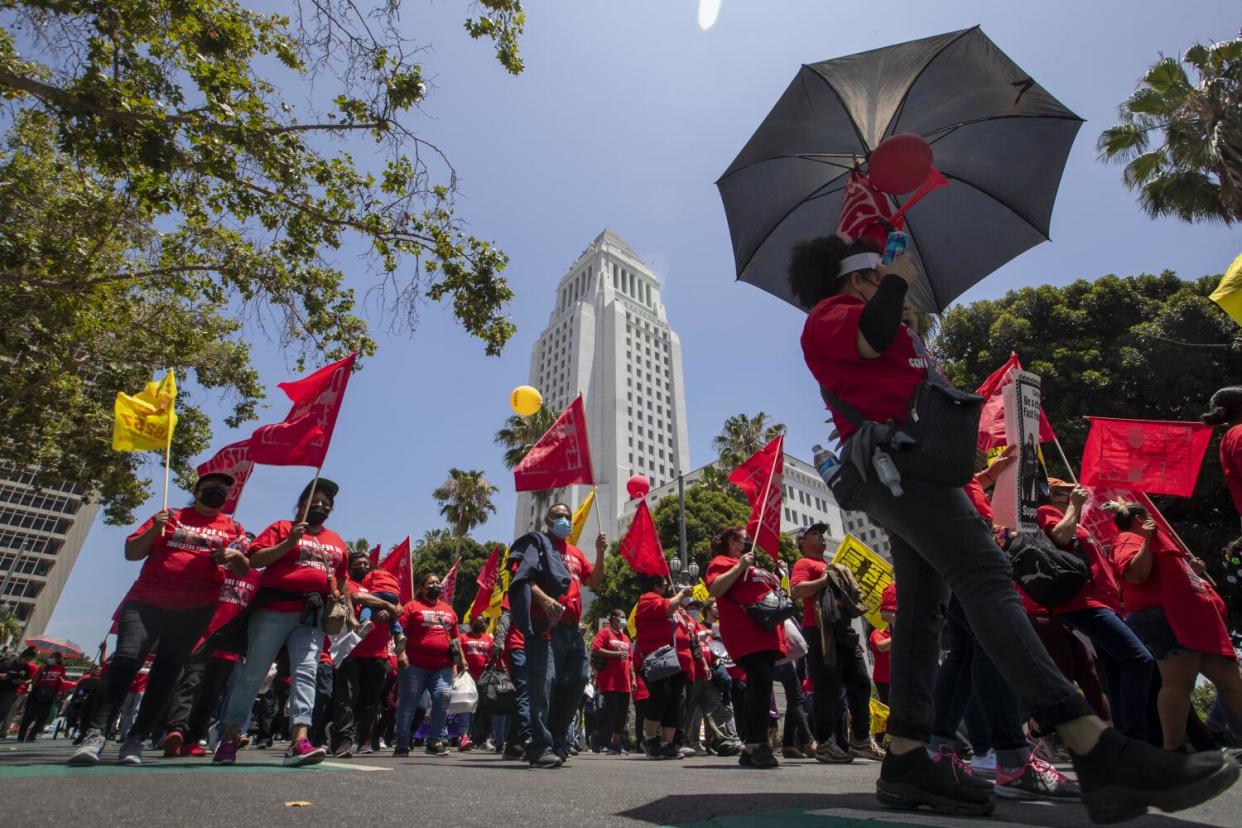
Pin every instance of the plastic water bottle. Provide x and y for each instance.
(826, 463)
(886, 470)
(895, 245)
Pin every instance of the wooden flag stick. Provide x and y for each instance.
(167, 462)
(1065, 460)
(310, 495)
(598, 517)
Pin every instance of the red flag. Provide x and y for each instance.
(992, 418)
(449, 584)
(760, 478)
(1153, 456)
(561, 457)
(864, 211)
(374, 556)
(398, 563)
(303, 438)
(487, 582)
(234, 460)
(641, 545)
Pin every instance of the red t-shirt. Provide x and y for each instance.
(375, 645)
(51, 676)
(979, 499)
(1101, 592)
(381, 580)
(579, 568)
(655, 629)
(477, 649)
(741, 635)
(882, 672)
(888, 599)
(1231, 463)
(428, 631)
(880, 388)
(640, 687)
(305, 569)
(703, 665)
(1136, 596)
(807, 569)
(179, 572)
(615, 675)
(1195, 612)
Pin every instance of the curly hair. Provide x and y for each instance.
(814, 267)
(720, 542)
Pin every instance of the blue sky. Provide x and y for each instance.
(625, 116)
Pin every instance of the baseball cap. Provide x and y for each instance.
(806, 530)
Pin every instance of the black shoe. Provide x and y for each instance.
(964, 772)
(911, 780)
(400, 752)
(546, 761)
(514, 752)
(613, 751)
(436, 749)
(744, 760)
(1122, 777)
(670, 751)
(763, 757)
(651, 747)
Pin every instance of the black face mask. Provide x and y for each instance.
(358, 572)
(316, 515)
(434, 592)
(213, 497)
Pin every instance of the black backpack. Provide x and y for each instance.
(1049, 575)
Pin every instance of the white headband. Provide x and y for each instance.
(859, 261)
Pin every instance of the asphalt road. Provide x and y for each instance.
(36, 788)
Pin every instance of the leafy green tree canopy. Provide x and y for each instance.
(163, 188)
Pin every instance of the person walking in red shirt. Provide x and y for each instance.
(304, 568)
(48, 683)
(612, 646)
(869, 367)
(430, 660)
(658, 622)
(736, 582)
(1178, 616)
(185, 554)
(1226, 409)
(477, 646)
(15, 675)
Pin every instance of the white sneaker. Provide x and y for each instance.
(131, 752)
(984, 765)
(88, 753)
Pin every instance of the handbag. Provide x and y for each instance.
(1050, 576)
(497, 693)
(335, 611)
(936, 443)
(795, 643)
(661, 664)
(771, 610)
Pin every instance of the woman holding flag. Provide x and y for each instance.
(1178, 616)
(185, 553)
(304, 566)
(869, 366)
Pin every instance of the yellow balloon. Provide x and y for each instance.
(525, 400)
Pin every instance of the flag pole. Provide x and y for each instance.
(310, 495)
(1057, 442)
(167, 462)
(780, 450)
(598, 517)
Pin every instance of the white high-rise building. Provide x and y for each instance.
(608, 338)
(41, 534)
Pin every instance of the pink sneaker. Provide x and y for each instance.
(465, 744)
(226, 752)
(302, 752)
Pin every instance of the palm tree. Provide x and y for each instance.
(465, 500)
(1195, 173)
(518, 436)
(742, 436)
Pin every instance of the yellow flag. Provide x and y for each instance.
(492, 613)
(580, 516)
(872, 572)
(146, 420)
(629, 622)
(700, 593)
(1228, 293)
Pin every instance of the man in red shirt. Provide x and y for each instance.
(556, 658)
(15, 674)
(46, 685)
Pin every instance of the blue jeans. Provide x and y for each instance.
(1127, 664)
(518, 733)
(557, 671)
(411, 682)
(268, 632)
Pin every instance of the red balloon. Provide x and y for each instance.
(638, 486)
(900, 163)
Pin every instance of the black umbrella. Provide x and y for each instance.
(998, 136)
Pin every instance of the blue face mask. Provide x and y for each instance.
(561, 527)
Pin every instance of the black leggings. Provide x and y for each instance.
(759, 668)
(139, 625)
(616, 710)
(797, 730)
(667, 694)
